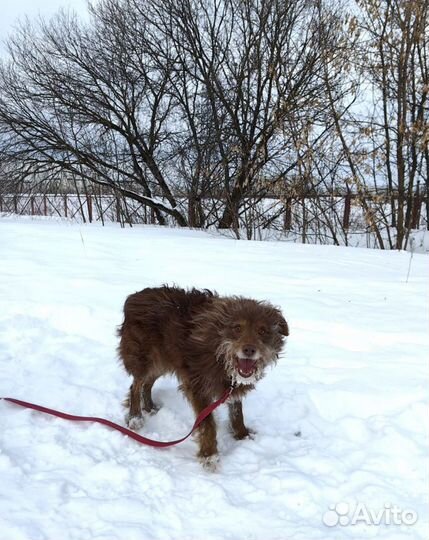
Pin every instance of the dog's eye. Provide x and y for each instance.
(262, 331)
(236, 328)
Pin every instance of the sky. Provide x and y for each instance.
(11, 11)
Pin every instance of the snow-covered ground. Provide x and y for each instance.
(353, 381)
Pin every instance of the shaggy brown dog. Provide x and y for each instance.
(209, 342)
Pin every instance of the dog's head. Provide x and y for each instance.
(251, 336)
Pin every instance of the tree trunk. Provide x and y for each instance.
(229, 219)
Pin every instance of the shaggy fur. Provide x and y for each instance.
(209, 342)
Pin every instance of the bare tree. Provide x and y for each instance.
(81, 99)
(242, 70)
(394, 61)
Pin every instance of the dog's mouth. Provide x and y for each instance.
(246, 367)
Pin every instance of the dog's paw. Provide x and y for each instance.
(245, 434)
(210, 463)
(134, 422)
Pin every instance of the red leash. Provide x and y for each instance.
(139, 438)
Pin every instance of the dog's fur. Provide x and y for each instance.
(209, 342)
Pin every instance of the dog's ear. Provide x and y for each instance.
(282, 325)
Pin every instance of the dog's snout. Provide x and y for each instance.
(249, 350)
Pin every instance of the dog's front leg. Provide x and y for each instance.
(239, 430)
(207, 454)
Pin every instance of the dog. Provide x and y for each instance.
(209, 342)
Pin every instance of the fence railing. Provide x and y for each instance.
(111, 208)
(85, 208)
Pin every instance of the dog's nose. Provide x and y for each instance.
(249, 350)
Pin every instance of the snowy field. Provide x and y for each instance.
(353, 381)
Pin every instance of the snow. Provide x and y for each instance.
(353, 382)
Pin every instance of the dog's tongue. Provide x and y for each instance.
(246, 367)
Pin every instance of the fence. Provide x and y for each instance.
(325, 219)
(91, 207)
(85, 208)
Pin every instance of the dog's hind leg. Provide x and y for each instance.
(140, 401)
(148, 404)
(134, 418)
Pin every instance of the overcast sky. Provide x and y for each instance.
(13, 10)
